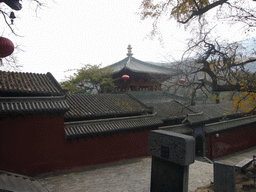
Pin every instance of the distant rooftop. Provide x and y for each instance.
(135, 65)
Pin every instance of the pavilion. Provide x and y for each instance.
(142, 76)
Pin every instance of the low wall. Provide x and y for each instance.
(230, 141)
(36, 145)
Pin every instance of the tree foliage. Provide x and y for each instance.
(93, 78)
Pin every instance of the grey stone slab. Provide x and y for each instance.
(174, 147)
(242, 165)
(224, 177)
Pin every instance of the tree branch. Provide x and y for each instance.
(203, 10)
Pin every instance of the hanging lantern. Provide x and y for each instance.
(12, 17)
(125, 77)
(6, 47)
(182, 80)
(81, 84)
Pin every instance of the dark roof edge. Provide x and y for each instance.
(251, 120)
(55, 82)
(110, 119)
(44, 98)
(140, 102)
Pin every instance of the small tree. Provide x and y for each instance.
(90, 79)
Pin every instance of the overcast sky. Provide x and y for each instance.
(67, 34)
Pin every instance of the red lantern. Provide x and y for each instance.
(81, 84)
(125, 77)
(6, 47)
(182, 80)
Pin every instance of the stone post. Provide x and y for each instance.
(224, 177)
(172, 153)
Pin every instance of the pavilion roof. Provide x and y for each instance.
(135, 65)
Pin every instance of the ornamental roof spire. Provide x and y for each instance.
(129, 54)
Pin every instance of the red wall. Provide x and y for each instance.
(31, 145)
(231, 141)
(36, 145)
(106, 149)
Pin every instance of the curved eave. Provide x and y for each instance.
(135, 65)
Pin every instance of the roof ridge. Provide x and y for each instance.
(139, 101)
(109, 119)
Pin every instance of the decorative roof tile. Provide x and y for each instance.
(88, 107)
(98, 128)
(32, 105)
(28, 84)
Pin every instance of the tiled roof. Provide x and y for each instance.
(163, 104)
(28, 84)
(228, 125)
(136, 65)
(209, 113)
(170, 110)
(32, 105)
(212, 111)
(196, 118)
(152, 96)
(88, 107)
(98, 128)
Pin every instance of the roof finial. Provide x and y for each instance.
(129, 54)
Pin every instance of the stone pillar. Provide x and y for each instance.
(172, 153)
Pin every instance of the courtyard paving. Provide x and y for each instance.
(129, 175)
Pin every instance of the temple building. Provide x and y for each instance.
(131, 74)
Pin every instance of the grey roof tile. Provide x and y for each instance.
(152, 96)
(31, 105)
(87, 106)
(96, 128)
(28, 84)
(163, 104)
(212, 111)
(228, 125)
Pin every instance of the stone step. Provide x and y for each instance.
(39, 186)
(6, 182)
(19, 183)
